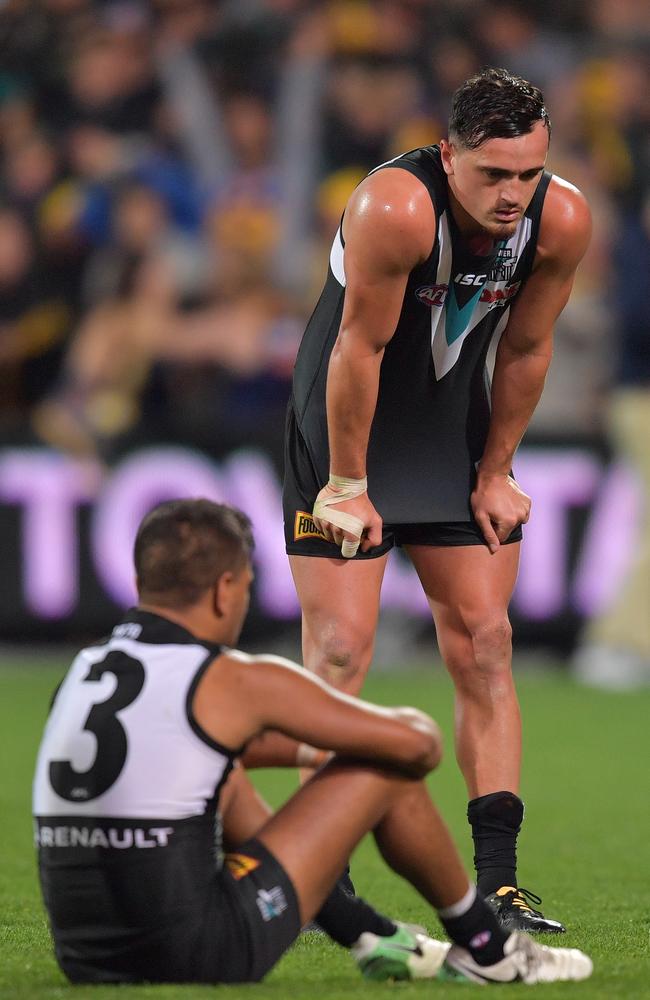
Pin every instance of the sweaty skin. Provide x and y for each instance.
(373, 781)
(240, 697)
(389, 228)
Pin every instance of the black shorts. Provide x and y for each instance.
(256, 896)
(244, 922)
(302, 538)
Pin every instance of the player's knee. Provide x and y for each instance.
(492, 644)
(484, 654)
(433, 752)
(343, 660)
(424, 739)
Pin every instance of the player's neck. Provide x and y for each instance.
(195, 620)
(478, 240)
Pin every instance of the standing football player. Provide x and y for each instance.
(395, 435)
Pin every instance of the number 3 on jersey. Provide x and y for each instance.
(102, 721)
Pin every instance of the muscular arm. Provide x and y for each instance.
(389, 228)
(524, 355)
(240, 697)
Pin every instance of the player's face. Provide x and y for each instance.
(492, 186)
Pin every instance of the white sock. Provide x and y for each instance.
(462, 906)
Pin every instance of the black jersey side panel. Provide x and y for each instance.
(310, 375)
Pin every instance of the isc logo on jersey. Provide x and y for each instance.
(470, 279)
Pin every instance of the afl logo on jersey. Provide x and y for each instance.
(432, 295)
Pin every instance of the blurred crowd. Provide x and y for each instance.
(172, 173)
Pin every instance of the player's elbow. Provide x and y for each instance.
(527, 346)
(426, 751)
(423, 740)
(357, 342)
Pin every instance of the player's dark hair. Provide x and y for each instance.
(184, 546)
(495, 104)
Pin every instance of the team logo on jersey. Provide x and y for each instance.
(241, 865)
(271, 902)
(304, 527)
(432, 295)
(504, 266)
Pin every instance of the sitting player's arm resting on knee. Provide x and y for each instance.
(274, 749)
(240, 697)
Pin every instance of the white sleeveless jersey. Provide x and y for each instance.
(121, 740)
(126, 796)
(124, 770)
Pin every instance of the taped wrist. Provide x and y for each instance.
(306, 755)
(358, 486)
(347, 489)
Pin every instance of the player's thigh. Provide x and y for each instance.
(243, 810)
(314, 833)
(251, 920)
(466, 584)
(340, 603)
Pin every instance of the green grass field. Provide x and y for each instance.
(584, 845)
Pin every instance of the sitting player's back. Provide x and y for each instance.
(124, 805)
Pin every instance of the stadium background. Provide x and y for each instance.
(171, 174)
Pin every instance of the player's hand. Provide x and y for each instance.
(362, 508)
(499, 506)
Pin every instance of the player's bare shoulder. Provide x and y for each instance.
(232, 698)
(253, 676)
(390, 220)
(565, 226)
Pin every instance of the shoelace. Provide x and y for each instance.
(521, 897)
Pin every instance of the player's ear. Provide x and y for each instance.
(221, 594)
(447, 156)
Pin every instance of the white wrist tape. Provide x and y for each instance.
(306, 756)
(349, 489)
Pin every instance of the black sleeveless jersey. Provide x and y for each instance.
(125, 795)
(433, 407)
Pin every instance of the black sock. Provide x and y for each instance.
(346, 882)
(496, 821)
(478, 930)
(345, 917)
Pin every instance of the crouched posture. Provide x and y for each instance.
(138, 790)
(397, 436)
